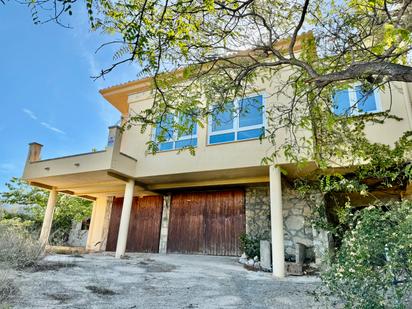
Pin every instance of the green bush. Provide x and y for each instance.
(373, 266)
(250, 245)
(68, 208)
(18, 249)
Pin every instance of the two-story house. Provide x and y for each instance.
(174, 202)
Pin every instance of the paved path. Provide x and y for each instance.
(159, 281)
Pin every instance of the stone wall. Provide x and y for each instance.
(296, 223)
(77, 236)
(296, 220)
(257, 204)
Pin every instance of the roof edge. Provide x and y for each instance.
(117, 95)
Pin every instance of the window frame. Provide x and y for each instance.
(174, 137)
(236, 119)
(353, 102)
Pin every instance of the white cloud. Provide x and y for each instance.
(50, 127)
(7, 167)
(29, 113)
(33, 116)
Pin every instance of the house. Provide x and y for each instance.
(174, 202)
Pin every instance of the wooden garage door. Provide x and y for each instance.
(206, 222)
(144, 226)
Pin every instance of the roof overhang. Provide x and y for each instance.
(118, 95)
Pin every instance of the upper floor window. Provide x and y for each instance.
(169, 138)
(355, 101)
(242, 119)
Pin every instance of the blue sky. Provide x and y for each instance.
(47, 95)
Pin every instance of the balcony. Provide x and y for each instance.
(87, 174)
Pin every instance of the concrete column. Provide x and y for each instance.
(114, 139)
(164, 229)
(48, 217)
(276, 215)
(125, 219)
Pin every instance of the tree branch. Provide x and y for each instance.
(391, 71)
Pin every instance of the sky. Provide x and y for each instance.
(47, 93)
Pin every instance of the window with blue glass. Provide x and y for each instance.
(355, 101)
(242, 119)
(169, 139)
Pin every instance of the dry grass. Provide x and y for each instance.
(8, 290)
(18, 249)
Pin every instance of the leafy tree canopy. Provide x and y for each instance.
(218, 50)
(67, 209)
(373, 267)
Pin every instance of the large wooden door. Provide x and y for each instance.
(206, 222)
(144, 225)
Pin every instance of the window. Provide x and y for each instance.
(167, 137)
(239, 120)
(355, 101)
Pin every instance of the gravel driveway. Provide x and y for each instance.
(158, 281)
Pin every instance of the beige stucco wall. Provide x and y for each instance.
(92, 174)
(395, 100)
(244, 153)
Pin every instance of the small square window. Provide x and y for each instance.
(355, 101)
(179, 144)
(249, 134)
(366, 101)
(166, 146)
(222, 138)
(165, 128)
(187, 121)
(341, 102)
(168, 139)
(251, 112)
(223, 119)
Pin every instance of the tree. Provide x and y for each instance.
(67, 209)
(216, 50)
(373, 267)
(201, 54)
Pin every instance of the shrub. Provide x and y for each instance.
(68, 208)
(18, 249)
(373, 266)
(8, 290)
(250, 245)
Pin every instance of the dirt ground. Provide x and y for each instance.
(158, 281)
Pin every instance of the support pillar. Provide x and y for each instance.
(48, 218)
(276, 218)
(125, 219)
(164, 228)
